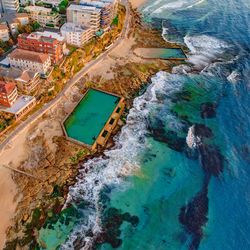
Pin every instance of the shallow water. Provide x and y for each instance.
(178, 177)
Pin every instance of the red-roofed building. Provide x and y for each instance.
(8, 93)
(42, 44)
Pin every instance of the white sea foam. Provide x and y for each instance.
(192, 140)
(204, 49)
(234, 77)
(160, 6)
(122, 160)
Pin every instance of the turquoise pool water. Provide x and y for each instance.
(170, 53)
(89, 117)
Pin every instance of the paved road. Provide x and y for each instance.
(72, 81)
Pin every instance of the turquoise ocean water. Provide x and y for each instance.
(178, 177)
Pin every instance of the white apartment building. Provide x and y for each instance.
(9, 6)
(75, 34)
(44, 16)
(87, 16)
(108, 10)
(4, 32)
(30, 60)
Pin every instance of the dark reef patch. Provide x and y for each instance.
(202, 131)
(181, 96)
(112, 220)
(193, 217)
(211, 159)
(158, 132)
(208, 110)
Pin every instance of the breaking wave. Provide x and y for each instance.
(192, 140)
(159, 6)
(122, 160)
(234, 77)
(204, 50)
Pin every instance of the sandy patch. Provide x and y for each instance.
(11, 156)
(121, 55)
(137, 3)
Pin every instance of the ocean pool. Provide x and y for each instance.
(162, 53)
(89, 117)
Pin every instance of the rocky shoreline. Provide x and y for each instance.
(53, 161)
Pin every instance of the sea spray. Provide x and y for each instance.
(117, 163)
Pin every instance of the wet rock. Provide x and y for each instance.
(208, 110)
(202, 131)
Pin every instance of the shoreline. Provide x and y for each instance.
(49, 131)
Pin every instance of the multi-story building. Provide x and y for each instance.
(8, 93)
(4, 32)
(13, 20)
(87, 16)
(26, 80)
(44, 16)
(52, 2)
(30, 60)
(43, 44)
(9, 6)
(107, 10)
(75, 34)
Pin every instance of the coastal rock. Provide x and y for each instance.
(202, 131)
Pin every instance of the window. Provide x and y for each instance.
(118, 110)
(104, 134)
(112, 120)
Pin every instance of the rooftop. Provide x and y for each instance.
(27, 76)
(97, 4)
(7, 87)
(33, 8)
(17, 74)
(12, 17)
(21, 15)
(72, 27)
(21, 103)
(28, 55)
(51, 34)
(84, 8)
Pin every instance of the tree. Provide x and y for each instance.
(35, 25)
(1, 51)
(10, 42)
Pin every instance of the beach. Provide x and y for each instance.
(10, 156)
(8, 192)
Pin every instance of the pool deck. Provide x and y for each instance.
(107, 128)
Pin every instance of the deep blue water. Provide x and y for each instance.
(179, 176)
